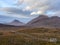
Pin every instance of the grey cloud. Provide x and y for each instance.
(44, 5)
(53, 5)
(36, 5)
(16, 11)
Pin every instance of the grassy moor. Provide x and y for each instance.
(32, 36)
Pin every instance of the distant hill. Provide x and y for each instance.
(5, 25)
(45, 21)
(16, 23)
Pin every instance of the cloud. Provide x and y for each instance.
(34, 7)
(15, 12)
(57, 13)
(54, 5)
(36, 13)
(35, 4)
(39, 5)
(42, 5)
(27, 8)
(42, 10)
(15, 15)
(19, 2)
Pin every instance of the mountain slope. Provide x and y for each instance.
(45, 21)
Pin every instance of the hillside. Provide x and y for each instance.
(45, 21)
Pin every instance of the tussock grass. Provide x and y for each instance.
(32, 36)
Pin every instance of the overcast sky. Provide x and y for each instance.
(25, 10)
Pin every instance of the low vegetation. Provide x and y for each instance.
(33, 36)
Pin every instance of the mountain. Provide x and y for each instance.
(38, 19)
(5, 25)
(16, 23)
(45, 21)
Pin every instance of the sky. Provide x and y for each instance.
(26, 10)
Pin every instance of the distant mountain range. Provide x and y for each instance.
(40, 21)
(45, 21)
(13, 23)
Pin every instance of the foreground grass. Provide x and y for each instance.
(17, 40)
(29, 36)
